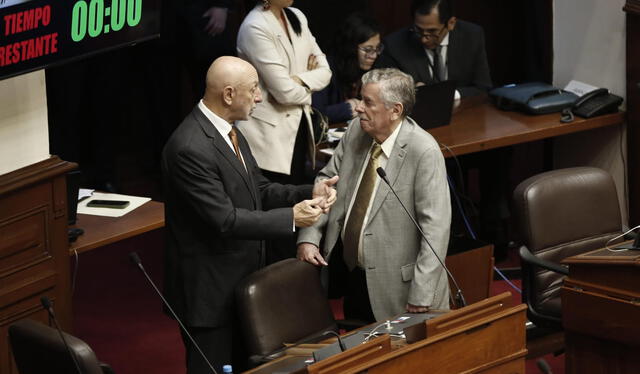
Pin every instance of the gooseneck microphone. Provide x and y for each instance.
(459, 298)
(46, 304)
(281, 352)
(136, 261)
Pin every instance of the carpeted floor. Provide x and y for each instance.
(119, 315)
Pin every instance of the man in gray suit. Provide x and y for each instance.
(439, 47)
(390, 267)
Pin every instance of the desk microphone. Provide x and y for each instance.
(46, 304)
(459, 298)
(136, 261)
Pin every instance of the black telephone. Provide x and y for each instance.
(595, 103)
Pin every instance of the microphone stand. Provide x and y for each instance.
(459, 297)
(46, 304)
(137, 262)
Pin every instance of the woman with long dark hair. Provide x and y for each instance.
(356, 47)
(276, 40)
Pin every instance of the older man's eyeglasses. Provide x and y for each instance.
(370, 51)
(427, 33)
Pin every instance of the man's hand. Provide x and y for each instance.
(307, 212)
(325, 190)
(417, 309)
(310, 253)
(217, 20)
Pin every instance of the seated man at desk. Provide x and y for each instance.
(389, 268)
(439, 47)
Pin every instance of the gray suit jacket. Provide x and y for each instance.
(466, 57)
(399, 266)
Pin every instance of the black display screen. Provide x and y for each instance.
(39, 33)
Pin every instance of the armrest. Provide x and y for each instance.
(530, 258)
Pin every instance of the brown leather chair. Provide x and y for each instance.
(282, 303)
(561, 213)
(38, 349)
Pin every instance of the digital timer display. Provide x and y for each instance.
(94, 18)
(40, 33)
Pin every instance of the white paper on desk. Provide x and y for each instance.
(84, 192)
(579, 88)
(134, 202)
(327, 151)
(335, 134)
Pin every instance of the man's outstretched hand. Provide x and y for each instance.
(325, 189)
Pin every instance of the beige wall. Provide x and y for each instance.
(589, 46)
(24, 135)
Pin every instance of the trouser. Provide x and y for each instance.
(221, 345)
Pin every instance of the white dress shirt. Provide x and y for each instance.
(221, 125)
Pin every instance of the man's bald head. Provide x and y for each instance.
(231, 88)
(228, 71)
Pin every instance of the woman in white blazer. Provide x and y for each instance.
(276, 40)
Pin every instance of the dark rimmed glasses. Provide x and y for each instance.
(370, 51)
(427, 33)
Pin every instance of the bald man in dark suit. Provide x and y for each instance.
(218, 210)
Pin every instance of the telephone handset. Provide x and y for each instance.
(595, 103)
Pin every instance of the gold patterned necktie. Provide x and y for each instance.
(234, 140)
(352, 231)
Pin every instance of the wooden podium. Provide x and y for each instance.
(486, 337)
(34, 257)
(601, 312)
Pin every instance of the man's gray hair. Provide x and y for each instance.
(395, 87)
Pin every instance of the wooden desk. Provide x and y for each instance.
(477, 125)
(601, 313)
(486, 337)
(100, 231)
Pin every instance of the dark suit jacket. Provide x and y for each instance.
(216, 216)
(466, 57)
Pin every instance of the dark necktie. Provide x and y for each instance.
(234, 140)
(355, 221)
(438, 70)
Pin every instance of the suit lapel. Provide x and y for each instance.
(453, 54)
(281, 35)
(394, 165)
(360, 150)
(221, 145)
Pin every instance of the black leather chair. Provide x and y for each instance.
(561, 213)
(283, 303)
(38, 349)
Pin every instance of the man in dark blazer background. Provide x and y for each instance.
(218, 210)
(438, 41)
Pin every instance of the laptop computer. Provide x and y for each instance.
(434, 104)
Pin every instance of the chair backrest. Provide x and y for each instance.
(38, 349)
(282, 303)
(562, 213)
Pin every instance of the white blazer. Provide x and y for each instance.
(271, 129)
